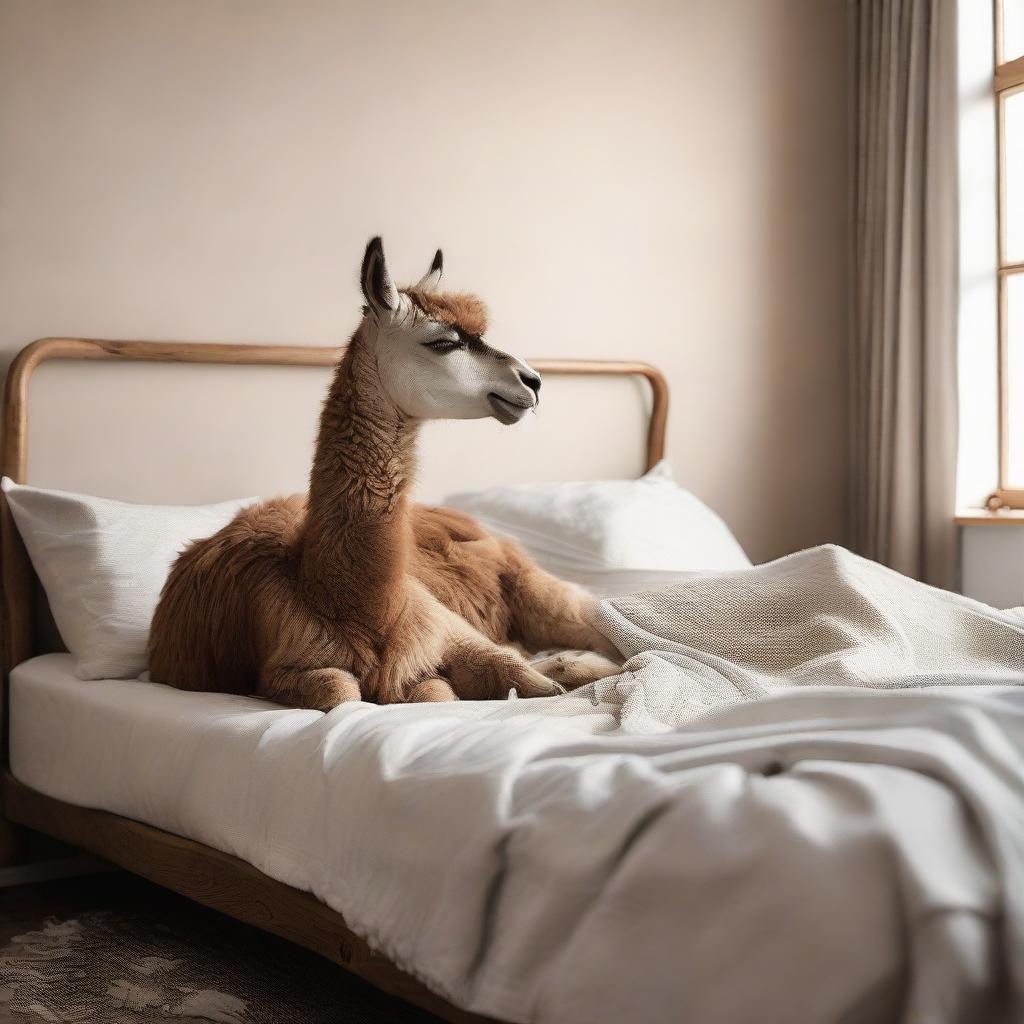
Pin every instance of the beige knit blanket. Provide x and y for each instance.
(822, 617)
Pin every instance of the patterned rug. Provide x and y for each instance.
(154, 957)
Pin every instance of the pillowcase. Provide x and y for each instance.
(611, 536)
(103, 564)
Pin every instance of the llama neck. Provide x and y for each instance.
(357, 536)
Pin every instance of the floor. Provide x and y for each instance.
(113, 949)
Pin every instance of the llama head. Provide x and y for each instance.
(430, 352)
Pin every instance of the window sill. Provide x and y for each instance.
(985, 517)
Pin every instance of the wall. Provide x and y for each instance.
(664, 179)
(993, 563)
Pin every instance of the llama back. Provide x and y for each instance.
(202, 637)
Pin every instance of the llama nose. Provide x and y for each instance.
(530, 379)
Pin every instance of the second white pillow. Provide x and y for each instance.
(589, 531)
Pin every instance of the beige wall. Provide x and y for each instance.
(663, 179)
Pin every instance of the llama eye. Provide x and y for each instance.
(443, 345)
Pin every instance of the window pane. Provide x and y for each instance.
(1013, 175)
(1015, 380)
(1013, 29)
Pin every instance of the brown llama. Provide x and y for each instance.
(352, 591)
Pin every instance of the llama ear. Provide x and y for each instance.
(378, 287)
(432, 278)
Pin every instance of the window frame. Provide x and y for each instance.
(1008, 79)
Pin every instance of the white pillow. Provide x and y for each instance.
(610, 534)
(103, 564)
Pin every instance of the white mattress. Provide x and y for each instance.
(532, 860)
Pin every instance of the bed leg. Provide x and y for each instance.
(13, 844)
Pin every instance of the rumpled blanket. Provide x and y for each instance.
(821, 617)
(801, 801)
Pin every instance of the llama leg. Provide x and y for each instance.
(549, 613)
(434, 689)
(317, 688)
(441, 642)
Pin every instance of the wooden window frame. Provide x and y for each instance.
(1008, 79)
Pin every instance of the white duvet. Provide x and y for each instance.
(653, 848)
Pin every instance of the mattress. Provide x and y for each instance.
(534, 861)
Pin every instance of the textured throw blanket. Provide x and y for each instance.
(822, 617)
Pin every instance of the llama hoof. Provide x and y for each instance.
(431, 690)
(528, 682)
(577, 668)
(318, 689)
(329, 687)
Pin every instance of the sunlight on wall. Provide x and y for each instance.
(978, 460)
(646, 179)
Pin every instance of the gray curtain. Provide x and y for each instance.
(903, 396)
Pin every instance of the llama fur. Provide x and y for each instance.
(354, 592)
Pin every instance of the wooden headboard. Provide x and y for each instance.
(18, 577)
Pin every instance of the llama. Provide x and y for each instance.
(353, 592)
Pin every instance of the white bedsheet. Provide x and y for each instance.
(816, 857)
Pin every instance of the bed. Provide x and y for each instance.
(205, 874)
(711, 831)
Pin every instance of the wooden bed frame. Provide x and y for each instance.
(199, 872)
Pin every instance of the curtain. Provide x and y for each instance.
(903, 359)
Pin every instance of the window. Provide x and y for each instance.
(1009, 85)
